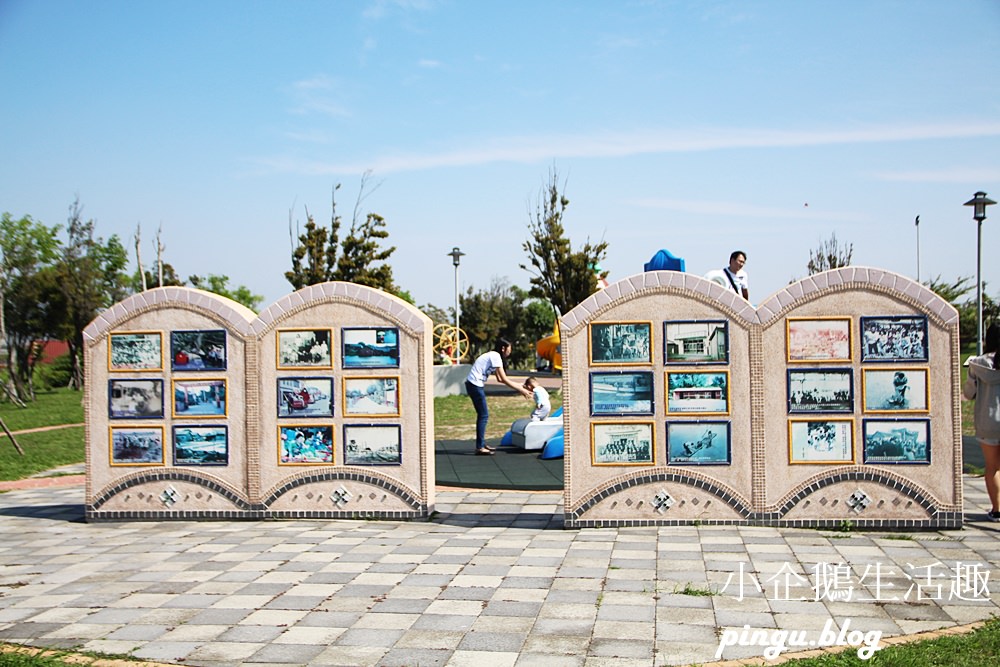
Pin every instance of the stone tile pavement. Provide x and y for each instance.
(492, 580)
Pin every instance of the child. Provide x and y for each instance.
(542, 405)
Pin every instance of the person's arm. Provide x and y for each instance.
(746, 294)
(502, 377)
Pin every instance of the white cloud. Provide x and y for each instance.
(951, 175)
(744, 210)
(428, 63)
(620, 144)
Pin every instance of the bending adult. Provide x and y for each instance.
(983, 385)
(483, 367)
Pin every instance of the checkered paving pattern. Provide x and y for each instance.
(493, 579)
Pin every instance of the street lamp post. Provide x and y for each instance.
(979, 202)
(456, 259)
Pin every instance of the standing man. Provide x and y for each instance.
(736, 275)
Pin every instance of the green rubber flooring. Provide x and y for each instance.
(457, 465)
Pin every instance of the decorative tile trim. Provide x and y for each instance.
(233, 315)
(874, 475)
(169, 475)
(344, 475)
(726, 494)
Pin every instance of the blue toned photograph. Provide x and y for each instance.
(699, 443)
(370, 347)
(897, 440)
(699, 392)
(625, 393)
(136, 446)
(305, 445)
(201, 446)
(199, 398)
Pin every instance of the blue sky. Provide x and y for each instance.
(699, 127)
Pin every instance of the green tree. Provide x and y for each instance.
(321, 255)
(220, 285)
(957, 293)
(830, 255)
(91, 276)
(560, 275)
(503, 311)
(27, 250)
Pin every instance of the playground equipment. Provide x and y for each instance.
(446, 339)
(548, 348)
(663, 260)
(545, 435)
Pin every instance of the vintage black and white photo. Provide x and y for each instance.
(135, 399)
(372, 444)
(894, 338)
(136, 446)
(820, 440)
(696, 342)
(135, 351)
(820, 390)
(304, 348)
(622, 443)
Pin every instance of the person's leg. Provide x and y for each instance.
(991, 454)
(478, 397)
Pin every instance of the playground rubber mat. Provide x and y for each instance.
(458, 466)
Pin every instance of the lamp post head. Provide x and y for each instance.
(456, 255)
(979, 202)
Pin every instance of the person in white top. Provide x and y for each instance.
(542, 404)
(475, 386)
(735, 274)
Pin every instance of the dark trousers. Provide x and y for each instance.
(478, 397)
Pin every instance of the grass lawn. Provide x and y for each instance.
(43, 450)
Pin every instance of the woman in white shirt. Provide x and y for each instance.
(475, 385)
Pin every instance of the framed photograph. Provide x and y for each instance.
(621, 343)
(305, 397)
(304, 348)
(897, 440)
(821, 441)
(622, 443)
(371, 396)
(818, 339)
(895, 390)
(136, 446)
(621, 393)
(894, 338)
(370, 347)
(699, 443)
(698, 392)
(820, 390)
(372, 445)
(696, 342)
(201, 445)
(135, 399)
(135, 351)
(199, 398)
(203, 350)
(305, 445)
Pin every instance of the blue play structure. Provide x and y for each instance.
(664, 261)
(545, 435)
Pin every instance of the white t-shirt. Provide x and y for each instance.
(542, 405)
(483, 367)
(740, 278)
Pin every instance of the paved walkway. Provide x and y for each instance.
(492, 580)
